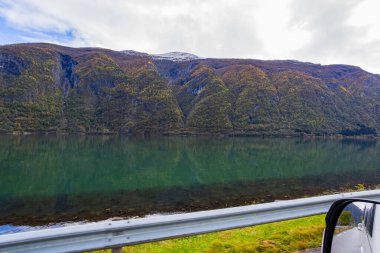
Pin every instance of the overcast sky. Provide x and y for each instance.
(323, 31)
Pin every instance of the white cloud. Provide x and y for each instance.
(327, 31)
(338, 33)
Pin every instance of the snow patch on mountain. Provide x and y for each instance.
(171, 56)
(134, 53)
(175, 56)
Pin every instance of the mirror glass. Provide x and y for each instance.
(357, 229)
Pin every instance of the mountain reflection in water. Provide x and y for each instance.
(47, 179)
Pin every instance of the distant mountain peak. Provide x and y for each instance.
(175, 56)
(134, 53)
(171, 56)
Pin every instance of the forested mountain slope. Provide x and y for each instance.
(50, 88)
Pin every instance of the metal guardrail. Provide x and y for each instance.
(114, 234)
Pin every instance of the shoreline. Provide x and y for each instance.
(198, 134)
(94, 215)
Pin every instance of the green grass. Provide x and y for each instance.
(285, 236)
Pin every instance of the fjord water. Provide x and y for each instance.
(50, 179)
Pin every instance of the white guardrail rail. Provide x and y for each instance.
(114, 234)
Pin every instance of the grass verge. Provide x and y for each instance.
(284, 236)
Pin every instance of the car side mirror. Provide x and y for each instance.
(352, 226)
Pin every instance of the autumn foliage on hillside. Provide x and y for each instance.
(50, 88)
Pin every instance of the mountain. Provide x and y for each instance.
(175, 56)
(51, 88)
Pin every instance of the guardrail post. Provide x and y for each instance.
(117, 250)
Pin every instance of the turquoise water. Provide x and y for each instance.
(48, 179)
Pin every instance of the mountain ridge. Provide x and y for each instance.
(52, 88)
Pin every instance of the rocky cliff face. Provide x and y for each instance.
(50, 88)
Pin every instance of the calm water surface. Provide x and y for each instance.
(50, 179)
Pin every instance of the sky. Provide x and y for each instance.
(323, 31)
